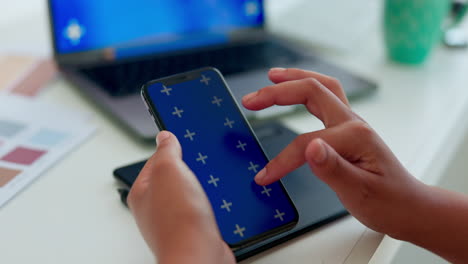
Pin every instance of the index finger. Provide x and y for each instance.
(279, 75)
(319, 100)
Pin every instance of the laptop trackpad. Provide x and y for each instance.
(244, 83)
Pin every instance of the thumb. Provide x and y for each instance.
(168, 146)
(330, 167)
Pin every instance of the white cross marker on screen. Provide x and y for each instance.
(213, 181)
(166, 90)
(178, 112)
(241, 145)
(226, 206)
(190, 135)
(229, 123)
(239, 231)
(202, 158)
(253, 167)
(266, 191)
(279, 215)
(217, 101)
(205, 80)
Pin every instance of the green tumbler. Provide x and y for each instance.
(413, 27)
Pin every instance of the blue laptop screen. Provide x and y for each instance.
(155, 25)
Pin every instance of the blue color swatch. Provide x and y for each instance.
(9, 129)
(48, 138)
(221, 150)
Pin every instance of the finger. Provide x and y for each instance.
(168, 147)
(320, 101)
(168, 170)
(341, 137)
(331, 168)
(279, 75)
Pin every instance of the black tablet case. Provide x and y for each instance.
(316, 202)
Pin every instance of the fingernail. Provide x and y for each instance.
(261, 176)
(163, 135)
(250, 96)
(319, 152)
(277, 70)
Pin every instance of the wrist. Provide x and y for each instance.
(424, 214)
(193, 246)
(439, 224)
(206, 253)
(415, 210)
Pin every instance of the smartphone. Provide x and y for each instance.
(221, 149)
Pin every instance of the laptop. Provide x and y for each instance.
(110, 48)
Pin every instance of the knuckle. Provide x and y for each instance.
(361, 129)
(334, 82)
(312, 82)
(265, 91)
(315, 85)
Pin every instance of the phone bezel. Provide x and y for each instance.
(187, 76)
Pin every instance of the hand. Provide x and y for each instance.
(347, 155)
(173, 212)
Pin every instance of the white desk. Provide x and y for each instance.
(72, 213)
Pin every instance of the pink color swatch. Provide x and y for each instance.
(23, 156)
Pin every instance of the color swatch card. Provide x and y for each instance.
(33, 137)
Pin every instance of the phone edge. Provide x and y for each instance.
(158, 120)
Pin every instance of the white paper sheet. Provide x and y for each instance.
(33, 137)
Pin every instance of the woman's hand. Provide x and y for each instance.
(173, 212)
(347, 155)
(176, 220)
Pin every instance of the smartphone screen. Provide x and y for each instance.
(221, 149)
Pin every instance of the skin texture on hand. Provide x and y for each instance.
(172, 211)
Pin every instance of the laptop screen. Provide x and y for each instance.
(141, 26)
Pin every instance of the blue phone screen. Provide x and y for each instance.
(221, 150)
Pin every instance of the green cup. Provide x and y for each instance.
(413, 27)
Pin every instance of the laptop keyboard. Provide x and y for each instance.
(128, 77)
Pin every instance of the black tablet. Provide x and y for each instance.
(316, 203)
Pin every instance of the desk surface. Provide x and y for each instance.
(72, 213)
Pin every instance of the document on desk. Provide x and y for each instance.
(33, 137)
